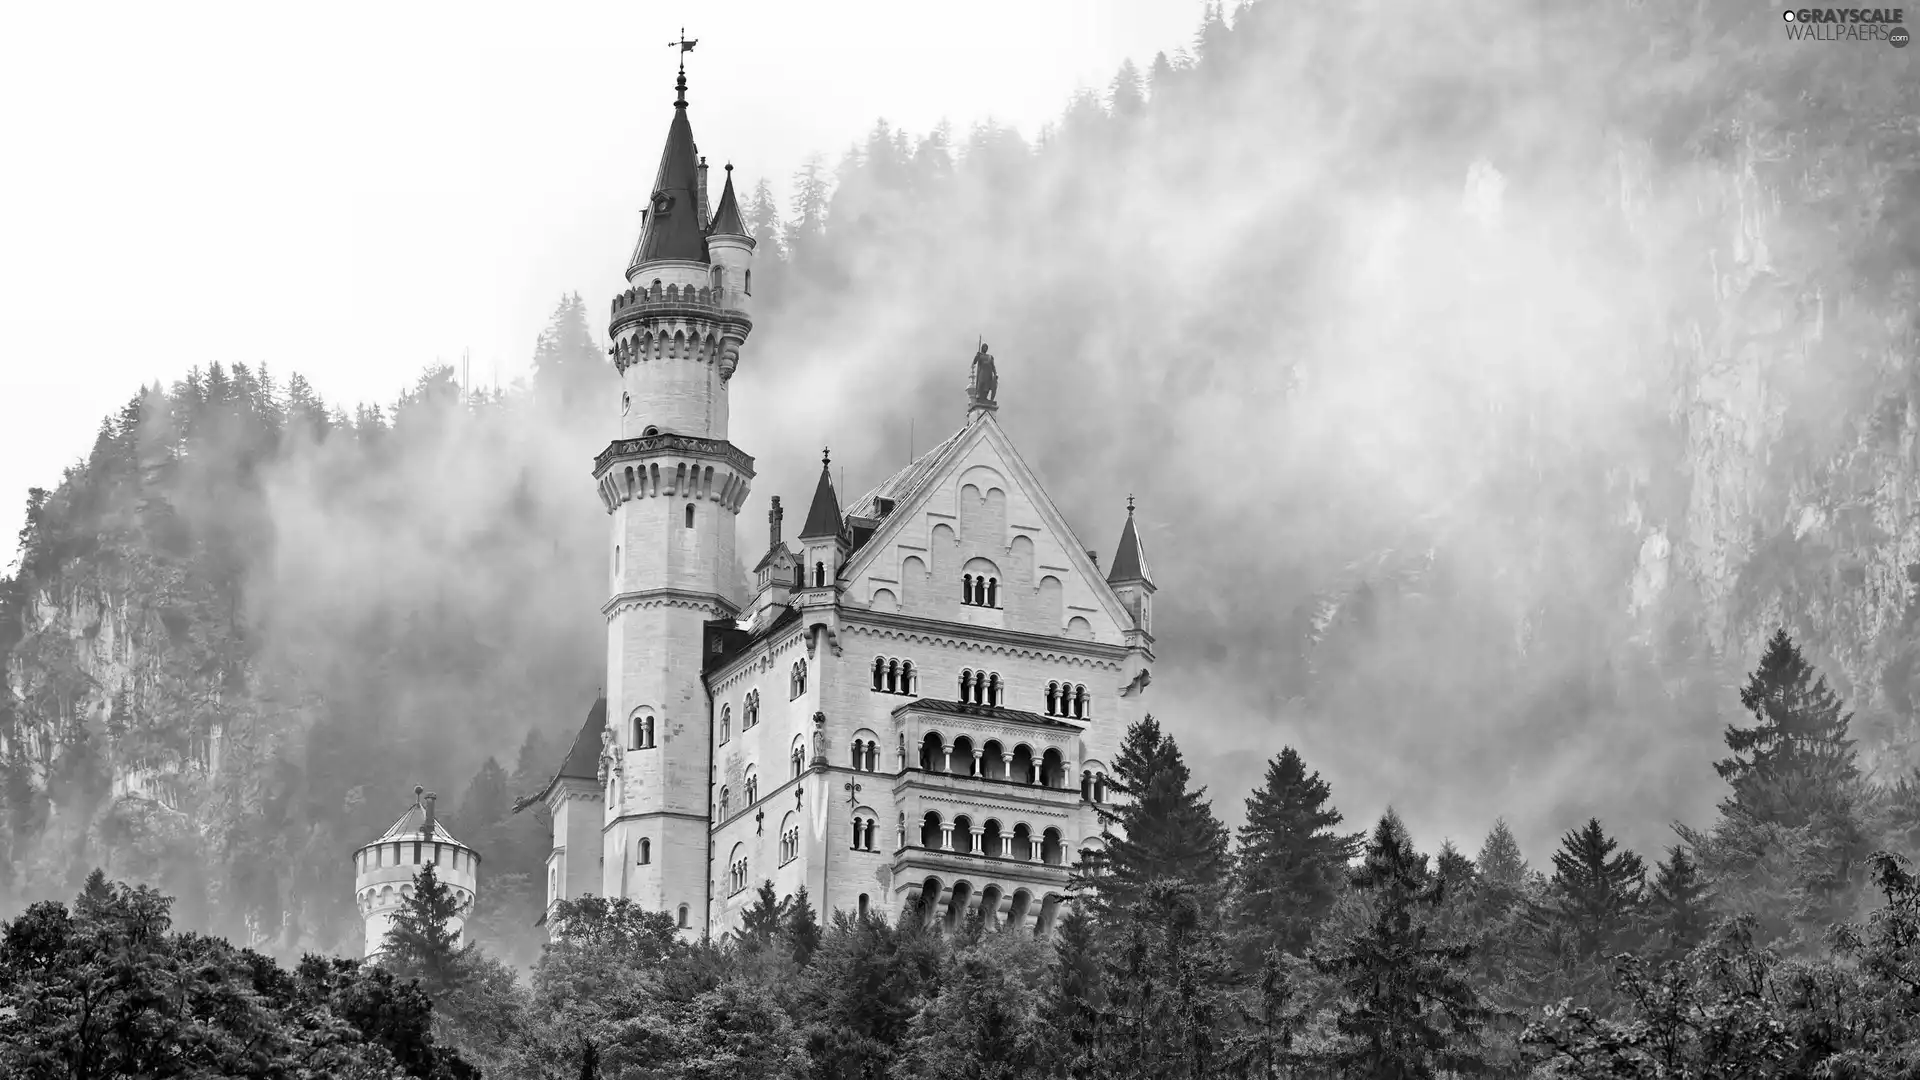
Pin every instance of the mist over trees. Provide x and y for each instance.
(1570, 351)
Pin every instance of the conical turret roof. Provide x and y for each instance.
(726, 219)
(674, 229)
(823, 517)
(1130, 561)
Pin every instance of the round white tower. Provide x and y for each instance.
(384, 870)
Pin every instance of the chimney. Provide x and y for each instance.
(706, 217)
(773, 522)
(426, 828)
(1095, 556)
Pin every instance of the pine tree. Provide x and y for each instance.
(1407, 1011)
(1290, 861)
(761, 923)
(1127, 96)
(1677, 902)
(1158, 828)
(808, 223)
(1500, 864)
(570, 373)
(802, 928)
(1795, 762)
(1594, 897)
(421, 944)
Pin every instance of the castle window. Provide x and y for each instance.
(752, 714)
(819, 575)
(683, 916)
(749, 285)
(797, 679)
(753, 786)
(863, 905)
(726, 723)
(980, 687)
(980, 590)
(642, 738)
(646, 851)
(798, 757)
(892, 676)
(726, 803)
(689, 515)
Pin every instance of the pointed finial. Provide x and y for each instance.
(417, 792)
(825, 457)
(1129, 506)
(729, 166)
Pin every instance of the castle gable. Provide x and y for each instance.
(967, 535)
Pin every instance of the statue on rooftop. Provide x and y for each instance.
(986, 383)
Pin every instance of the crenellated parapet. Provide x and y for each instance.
(673, 466)
(668, 321)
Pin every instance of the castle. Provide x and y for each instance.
(383, 871)
(958, 671)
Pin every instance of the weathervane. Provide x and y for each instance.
(685, 47)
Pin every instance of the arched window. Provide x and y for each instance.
(819, 575)
(646, 851)
(797, 758)
(689, 515)
(748, 288)
(879, 671)
(966, 589)
(993, 590)
(726, 722)
(906, 676)
(966, 685)
(752, 716)
(726, 803)
(1080, 702)
(1053, 698)
(683, 916)
(799, 679)
(993, 689)
(863, 905)
(753, 786)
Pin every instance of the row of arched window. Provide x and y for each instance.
(987, 839)
(961, 907)
(894, 676)
(797, 678)
(789, 845)
(737, 876)
(980, 590)
(992, 760)
(979, 687)
(1067, 699)
(866, 755)
(863, 830)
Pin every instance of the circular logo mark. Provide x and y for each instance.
(1898, 38)
(1787, 15)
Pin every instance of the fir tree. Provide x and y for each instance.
(1127, 96)
(802, 928)
(1407, 1012)
(1794, 763)
(763, 920)
(1677, 903)
(1500, 864)
(1158, 828)
(808, 223)
(1290, 860)
(421, 944)
(570, 373)
(1594, 896)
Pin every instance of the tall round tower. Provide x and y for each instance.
(672, 485)
(385, 869)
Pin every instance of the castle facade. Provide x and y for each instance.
(916, 707)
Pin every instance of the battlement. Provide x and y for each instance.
(639, 305)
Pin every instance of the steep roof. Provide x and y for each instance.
(823, 517)
(896, 487)
(1130, 561)
(726, 219)
(674, 229)
(583, 757)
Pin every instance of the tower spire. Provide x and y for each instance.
(675, 226)
(685, 47)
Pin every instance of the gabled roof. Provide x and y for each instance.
(674, 229)
(726, 218)
(823, 517)
(583, 757)
(911, 486)
(1130, 561)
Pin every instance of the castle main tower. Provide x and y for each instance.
(672, 486)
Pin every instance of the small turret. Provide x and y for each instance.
(775, 576)
(1131, 580)
(731, 250)
(384, 870)
(824, 537)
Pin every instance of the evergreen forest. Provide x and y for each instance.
(1524, 411)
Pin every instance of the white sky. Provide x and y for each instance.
(354, 190)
